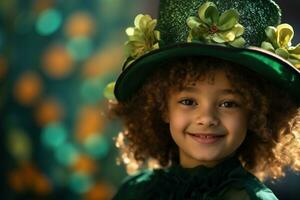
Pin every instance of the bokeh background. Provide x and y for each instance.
(56, 57)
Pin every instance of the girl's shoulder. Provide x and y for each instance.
(259, 190)
(250, 188)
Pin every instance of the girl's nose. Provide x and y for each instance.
(206, 117)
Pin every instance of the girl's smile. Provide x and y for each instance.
(206, 138)
(208, 121)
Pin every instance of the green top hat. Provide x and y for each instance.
(246, 32)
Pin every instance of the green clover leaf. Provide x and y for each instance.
(267, 46)
(143, 37)
(279, 41)
(208, 13)
(212, 27)
(109, 91)
(285, 34)
(228, 20)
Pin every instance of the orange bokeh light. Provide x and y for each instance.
(49, 111)
(57, 62)
(80, 24)
(3, 67)
(90, 121)
(85, 164)
(103, 62)
(100, 191)
(16, 181)
(28, 88)
(29, 178)
(42, 5)
(41, 185)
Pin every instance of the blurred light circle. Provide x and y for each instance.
(1, 39)
(54, 135)
(19, 145)
(80, 182)
(28, 88)
(57, 62)
(48, 22)
(80, 24)
(40, 6)
(96, 146)
(117, 6)
(80, 48)
(8, 7)
(49, 110)
(85, 164)
(67, 154)
(99, 191)
(106, 61)
(3, 67)
(15, 181)
(59, 176)
(23, 22)
(29, 178)
(91, 90)
(89, 121)
(41, 184)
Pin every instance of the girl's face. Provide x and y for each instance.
(208, 121)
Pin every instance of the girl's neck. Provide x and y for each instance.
(190, 163)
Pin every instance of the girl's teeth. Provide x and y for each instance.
(206, 136)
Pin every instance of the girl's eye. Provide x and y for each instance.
(188, 102)
(229, 104)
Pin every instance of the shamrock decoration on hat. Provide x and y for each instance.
(279, 42)
(142, 38)
(211, 27)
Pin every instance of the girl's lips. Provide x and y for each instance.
(206, 138)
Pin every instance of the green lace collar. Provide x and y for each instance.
(201, 172)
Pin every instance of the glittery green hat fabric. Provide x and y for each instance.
(152, 45)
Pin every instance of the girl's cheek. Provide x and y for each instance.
(238, 122)
(180, 117)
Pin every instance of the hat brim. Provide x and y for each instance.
(267, 64)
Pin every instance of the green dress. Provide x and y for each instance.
(226, 181)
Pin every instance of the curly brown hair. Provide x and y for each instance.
(273, 139)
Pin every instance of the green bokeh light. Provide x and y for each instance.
(80, 47)
(97, 146)
(54, 135)
(67, 154)
(106, 6)
(59, 175)
(48, 22)
(91, 90)
(1, 39)
(80, 182)
(19, 145)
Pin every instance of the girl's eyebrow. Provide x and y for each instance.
(189, 89)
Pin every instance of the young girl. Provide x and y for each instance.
(212, 111)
